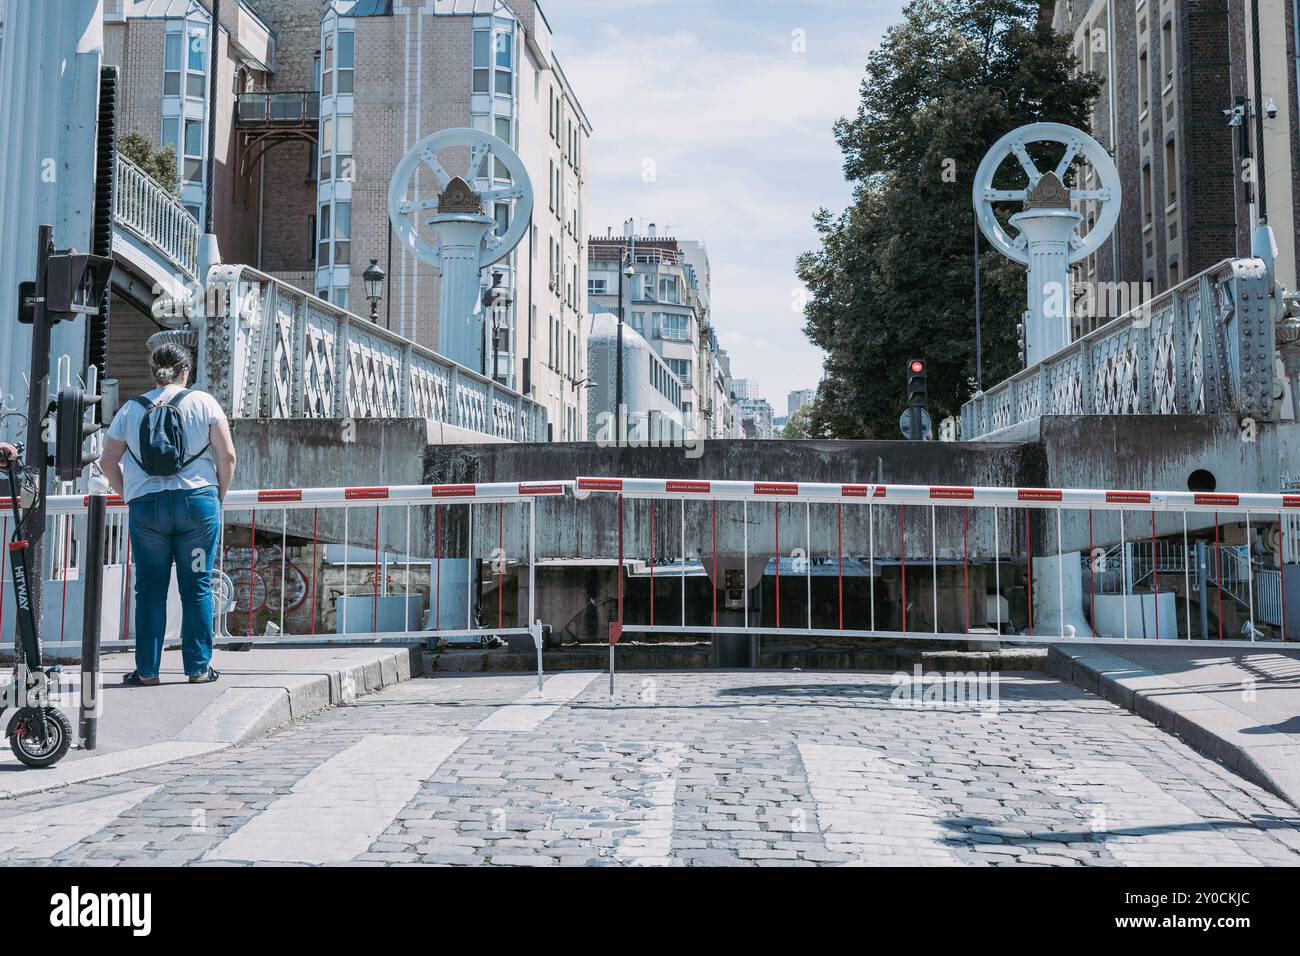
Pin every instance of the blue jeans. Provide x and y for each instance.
(181, 527)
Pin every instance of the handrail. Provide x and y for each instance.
(1203, 347)
(290, 108)
(272, 350)
(156, 216)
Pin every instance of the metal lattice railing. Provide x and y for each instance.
(156, 216)
(1202, 347)
(271, 350)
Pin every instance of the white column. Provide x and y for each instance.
(460, 320)
(1048, 231)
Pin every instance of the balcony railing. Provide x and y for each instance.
(271, 350)
(290, 109)
(156, 216)
(1203, 347)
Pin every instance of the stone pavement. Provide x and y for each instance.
(683, 768)
(1240, 707)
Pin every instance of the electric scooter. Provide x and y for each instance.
(39, 733)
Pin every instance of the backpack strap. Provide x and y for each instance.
(174, 401)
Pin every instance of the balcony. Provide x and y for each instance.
(292, 110)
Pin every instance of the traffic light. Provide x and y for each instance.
(72, 431)
(917, 395)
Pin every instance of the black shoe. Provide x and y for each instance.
(212, 675)
(135, 680)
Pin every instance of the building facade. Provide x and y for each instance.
(1198, 108)
(667, 303)
(652, 393)
(798, 399)
(317, 102)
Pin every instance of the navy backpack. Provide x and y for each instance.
(162, 438)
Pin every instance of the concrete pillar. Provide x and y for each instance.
(1048, 230)
(49, 92)
(1058, 611)
(460, 320)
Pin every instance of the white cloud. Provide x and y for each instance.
(738, 126)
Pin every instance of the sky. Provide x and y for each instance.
(713, 119)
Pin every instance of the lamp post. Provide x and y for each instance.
(627, 273)
(373, 278)
(497, 299)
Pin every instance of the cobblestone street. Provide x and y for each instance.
(680, 769)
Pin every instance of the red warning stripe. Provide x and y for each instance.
(855, 491)
(688, 487)
(452, 491)
(352, 494)
(600, 484)
(1038, 494)
(1291, 501)
(282, 494)
(776, 488)
(959, 493)
(1206, 498)
(553, 489)
(1128, 497)
(18, 545)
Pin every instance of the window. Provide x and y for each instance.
(1167, 50)
(195, 56)
(482, 76)
(503, 129)
(323, 247)
(327, 146)
(172, 44)
(681, 368)
(171, 133)
(193, 164)
(342, 233)
(502, 215)
(343, 168)
(505, 61)
(668, 289)
(598, 285)
(1146, 194)
(346, 61)
(673, 327)
(311, 236)
(1144, 83)
(1171, 173)
(637, 322)
(327, 67)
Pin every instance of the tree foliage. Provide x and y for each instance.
(158, 164)
(894, 276)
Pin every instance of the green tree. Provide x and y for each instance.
(158, 164)
(893, 278)
(801, 424)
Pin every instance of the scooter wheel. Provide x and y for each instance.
(29, 749)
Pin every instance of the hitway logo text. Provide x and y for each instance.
(102, 909)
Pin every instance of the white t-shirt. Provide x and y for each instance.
(198, 410)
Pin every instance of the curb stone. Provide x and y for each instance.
(250, 707)
(1267, 757)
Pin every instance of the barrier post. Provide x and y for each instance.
(93, 576)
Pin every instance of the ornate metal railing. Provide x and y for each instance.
(156, 216)
(1205, 346)
(271, 350)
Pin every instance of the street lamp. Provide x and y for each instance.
(497, 299)
(373, 277)
(628, 273)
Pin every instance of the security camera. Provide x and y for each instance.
(1270, 108)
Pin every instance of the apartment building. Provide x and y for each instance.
(667, 303)
(317, 102)
(1192, 183)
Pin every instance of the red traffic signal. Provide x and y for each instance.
(917, 366)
